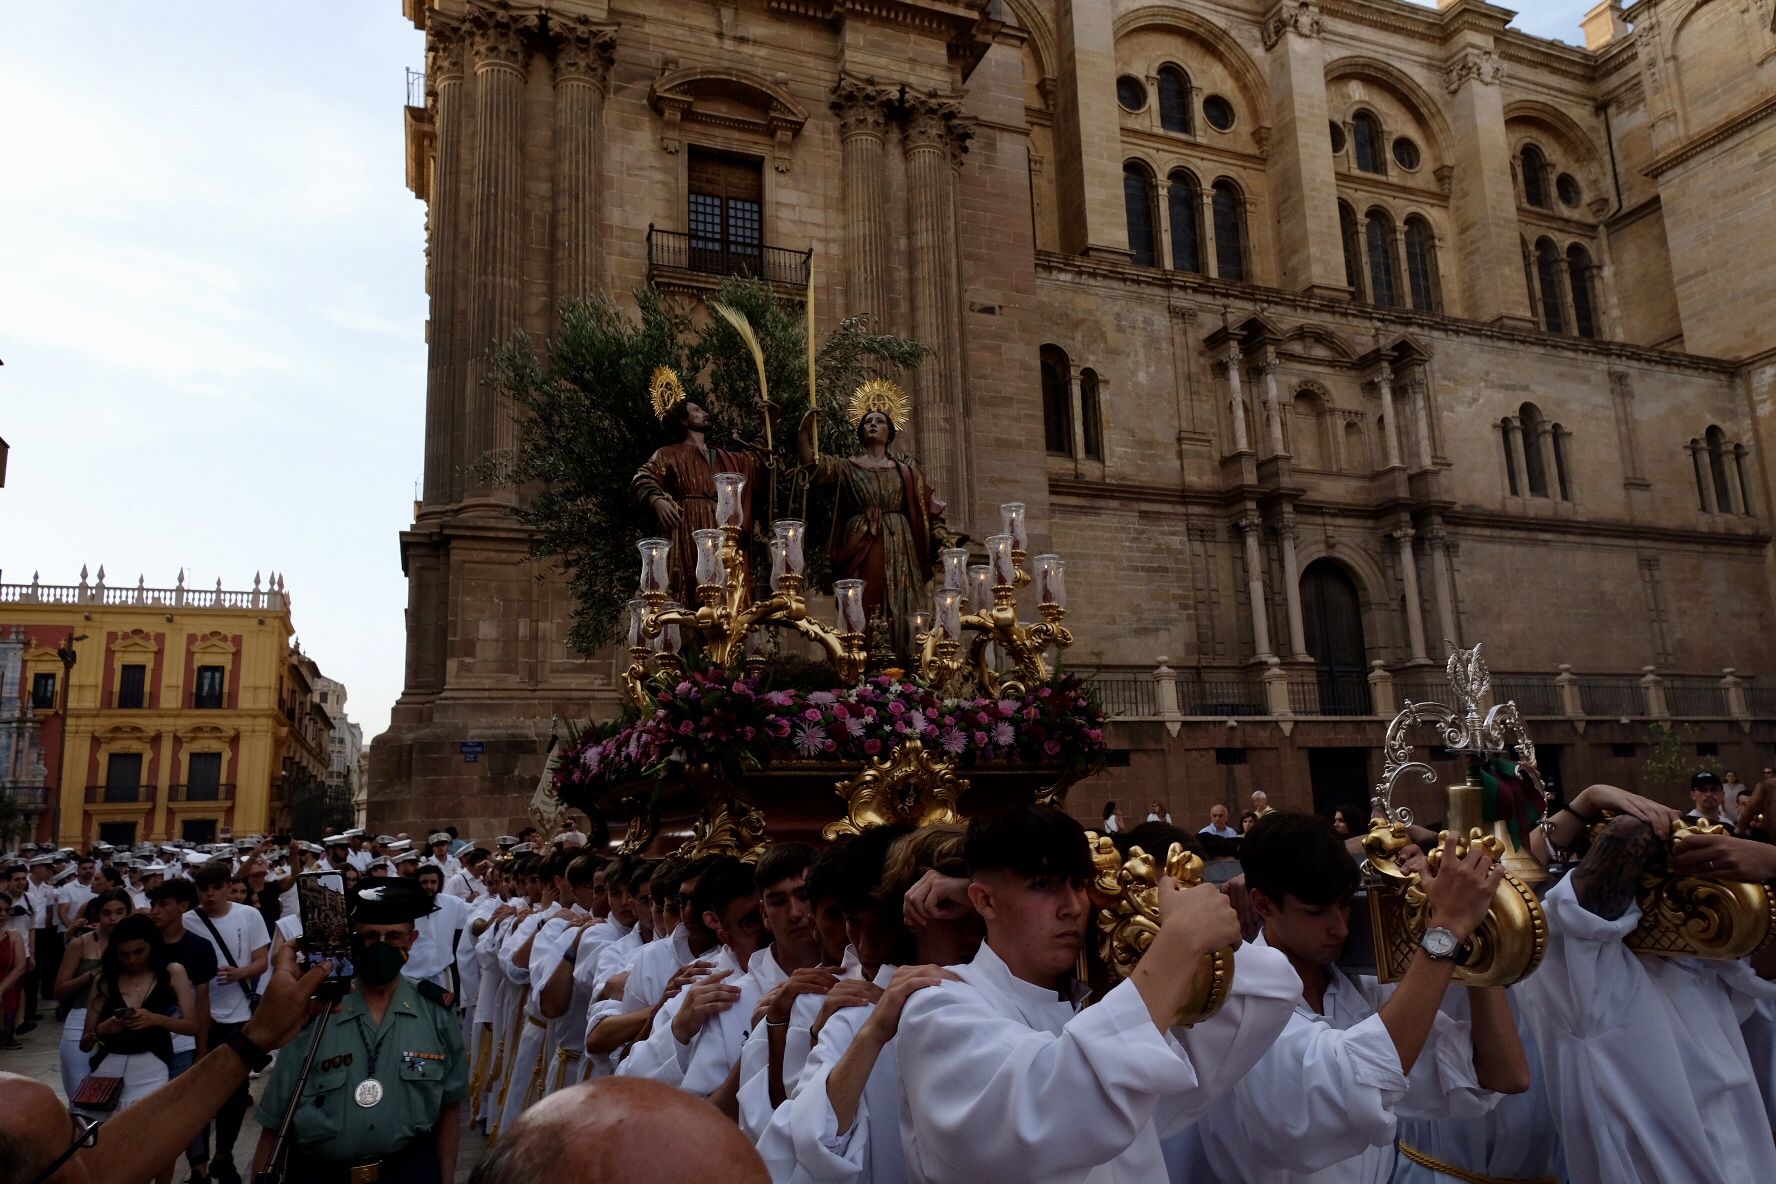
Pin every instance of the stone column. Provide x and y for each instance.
(1250, 527)
(582, 63)
(1704, 475)
(929, 182)
(1384, 384)
(1236, 398)
(444, 388)
(1418, 395)
(1519, 455)
(1415, 630)
(1292, 590)
(1442, 582)
(1302, 181)
(1267, 365)
(863, 120)
(1483, 202)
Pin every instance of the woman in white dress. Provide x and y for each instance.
(89, 937)
(139, 1003)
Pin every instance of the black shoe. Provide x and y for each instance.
(26, 1028)
(223, 1173)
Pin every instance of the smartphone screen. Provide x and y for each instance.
(326, 921)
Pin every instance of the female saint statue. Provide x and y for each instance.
(887, 523)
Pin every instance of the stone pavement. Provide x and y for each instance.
(40, 1059)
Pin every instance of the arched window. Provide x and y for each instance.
(1057, 411)
(1548, 269)
(1309, 431)
(1366, 136)
(1174, 100)
(1356, 451)
(1421, 265)
(1184, 206)
(1353, 249)
(1717, 469)
(1532, 425)
(1230, 231)
(1578, 265)
(1562, 459)
(1378, 234)
(1535, 177)
(1090, 416)
(1137, 199)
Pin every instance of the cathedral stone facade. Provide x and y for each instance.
(1315, 334)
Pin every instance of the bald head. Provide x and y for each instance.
(34, 1128)
(623, 1130)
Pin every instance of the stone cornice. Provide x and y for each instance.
(930, 16)
(1111, 276)
(1717, 134)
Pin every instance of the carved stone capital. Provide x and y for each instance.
(931, 121)
(1301, 17)
(1233, 356)
(445, 42)
(1404, 537)
(1473, 64)
(1267, 361)
(582, 48)
(861, 106)
(500, 35)
(1250, 525)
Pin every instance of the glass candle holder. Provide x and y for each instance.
(710, 569)
(948, 603)
(1000, 560)
(637, 618)
(791, 531)
(778, 568)
(1051, 580)
(848, 596)
(955, 566)
(730, 508)
(980, 588)
(654, 553)
(669, 639)
(921, 623)
(1011, 520)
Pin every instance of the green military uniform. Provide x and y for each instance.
(417, 1057)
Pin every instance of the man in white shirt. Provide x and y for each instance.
(433, 956)
(356, 853)
(441, 858)
(1322, 1103)
(681, 950)
(1647, 1066)
(1002, 1067)
(243, 946)
(1708, 801)
(1218, 824)
(466, 882)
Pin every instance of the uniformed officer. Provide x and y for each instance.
(382, 1104)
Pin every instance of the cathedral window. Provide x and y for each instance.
(1562, 461)
(1507, 429)
(1535, 177)
(1717, 469)
(1366, 133)
(1579, 265)
(1184, 206)
(1548, 269)
(1090, 415)
(726, 214)
(1057, 414)
(1137, 199)
(1353, 250)
(1533, 427)
(1174, 100)
(1421, 265)
(1378, 234)
(1230, 231)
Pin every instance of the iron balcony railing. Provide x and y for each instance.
(210, 792)
(112, 795)
(415, 87)
(669, 250)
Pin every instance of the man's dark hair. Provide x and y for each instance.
(641, 872)
(724, 881)
(582, 868)
(1299, 855)
(675, 426)
(175, 889)
(556, 864)
(860, 866)
(215, 872)
(451, 831)
(112, 876)
(783, 861)
(432, 868)
(694, 868)
(1028, 840)
(824, 873)
(668, 874)
(1219, 847)
(1156, 838)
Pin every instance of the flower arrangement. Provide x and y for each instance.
(712, 717)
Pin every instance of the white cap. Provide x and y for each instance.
(336, 840)
(439, 837)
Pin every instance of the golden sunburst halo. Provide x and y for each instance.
(666, 390)
(879, 394)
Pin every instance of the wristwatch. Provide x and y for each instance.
(1438, 942)
(255, 1058)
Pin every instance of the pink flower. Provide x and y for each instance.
(872, 747)
(1006, 707)
(980, 739)
(854, 726)
(778, 725)
(897, 708)
(780, 698)
(685, 728)
(953, 741)
(1031, 713)
(809, 741)
(917, 723)
(830, 746)
(812, 715)
(824, 698)
(1052, 747)
(1097, 735)
(839, 712)
(1002, 734)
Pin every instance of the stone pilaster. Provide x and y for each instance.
(1254, 546)
(444, 387)
(1303, 187)
(499, 50)
(930, 185)
(1483, 201)
(1088, 146)
(1292, 589)
(862, 110)
(1442, 585)
(1383, 378)
(1415, 629)
(1273, 409)
(582, 52)
(1232, 361)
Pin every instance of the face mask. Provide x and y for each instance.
(378, 965)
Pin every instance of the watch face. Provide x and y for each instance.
(1439, 943)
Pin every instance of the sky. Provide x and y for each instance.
(211, 305)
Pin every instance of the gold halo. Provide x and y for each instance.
(666, 390)
(879, 394)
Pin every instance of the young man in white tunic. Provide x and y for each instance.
(432, 959)
(599, 977)
(1646, 1063)
(1003, 1076)
(530, 939)
(552, 965)
(682, 951)
(1322, 1104)
(467, 882)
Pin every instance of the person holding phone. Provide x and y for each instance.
(88, 938)
(243, 948)
(144, 1000)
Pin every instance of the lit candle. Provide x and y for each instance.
(955, 562)
(980, 587)
(790, 530)
(1051, 580)
(849, 597)
(710, 569)
(778, 570)
(1011, 518)
(653, 564)
(637, 618)
(921, 623)
(949, 614)
(729, 508)
(999, 558)
(668, 641)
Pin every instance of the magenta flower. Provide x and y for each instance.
(824, 698)
(854, 726)
(897, 708)
(872, 747)
(809, 741)
(953, 741)
(1002, 734)
(1052, 747)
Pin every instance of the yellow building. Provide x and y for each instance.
(184, 713)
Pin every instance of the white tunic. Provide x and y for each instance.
(1646, 1066)
(755, 1059)
(997, 1072)
(1321, 1104)
(434, 949)
(871, 1151)
(716, 1048)
(661, 1057)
